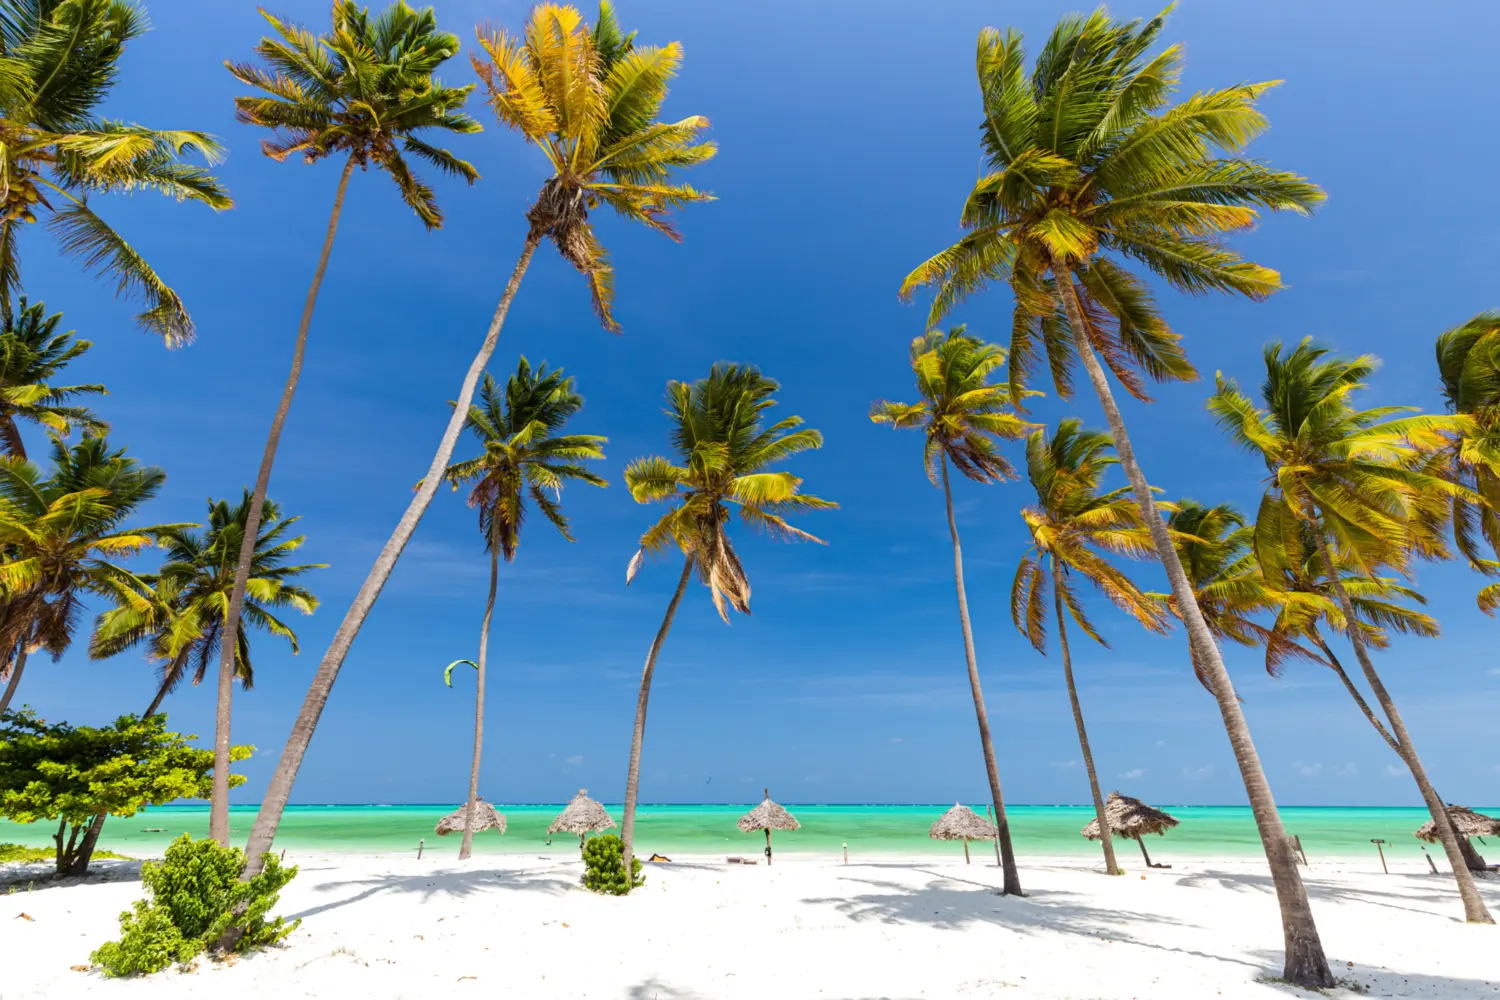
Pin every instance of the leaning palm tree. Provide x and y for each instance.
(1468, 359)
(590, 101)
(59, 61)
(724, 448)
(365, 91)
(1352, 477)
(1074, 527)
(185, 615)
(32, 352)
(961, 415)
(525, 457)
(1089, 166)
(60, 535)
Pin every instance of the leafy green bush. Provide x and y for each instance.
(602, 868)
(196, 894)
(20, 852)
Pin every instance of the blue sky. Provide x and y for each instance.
(848, 140)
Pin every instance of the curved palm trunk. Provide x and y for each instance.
(1305, 963)
(10, 437)
(280, 789)
(16, 670)
(1010, 878)
(1110, 866)
(467, 846)
(633, 775)
(1474, 908)
(218, 815)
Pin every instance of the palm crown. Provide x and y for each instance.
(1072, 526)
(961, 413)
(590, 101)
(32, 352)
(60, 534)
(181, 619)
(524, 455)
(1469, 366)
(1359, 471)
(365, 89)
(723, 448)
(1088, 164)
(58, 63)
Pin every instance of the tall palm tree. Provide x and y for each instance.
(60, 534)
(1074, 527)
(1468, 359)
(589, 100)
(32, 352)
(185, 616)
(961, 415)
(723, 448)
(1349, 476)
(365, 91)
(1090, 165)
(524, 457)
(59, 60)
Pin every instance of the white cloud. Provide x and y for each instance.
(1161, 743)
(1198, 773)
(1392, 771)
(1494, 671)
(1349, 770)
(1065, 763)
(1307, 770)
(894, 739)
(574, 760)
(1133, 773)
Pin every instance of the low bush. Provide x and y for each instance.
(602, 869)
(196, 895)
(20, 852)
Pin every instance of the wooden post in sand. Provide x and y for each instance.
(1377, 842)
(846, 852)
(419, 848)
(990, 812)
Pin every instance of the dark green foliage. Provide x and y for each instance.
(195, 893)
(603, 869)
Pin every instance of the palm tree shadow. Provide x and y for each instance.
(1383, 983)
(37, 877)
(1437, 890)
(655, 989)
(449, 885)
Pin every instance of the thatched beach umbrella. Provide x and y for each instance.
(767, 816)
(583, 816)
(485, 818)
(1134, 819)
(1466, 823)
(962, 823)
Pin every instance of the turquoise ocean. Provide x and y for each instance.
(869, 830)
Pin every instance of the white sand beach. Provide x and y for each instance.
(520, 927)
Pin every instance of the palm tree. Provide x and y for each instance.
(32, 352)
(524, 456)
(1090, 165)
(1351, 476)
(589, 101)
(58, 63)
(723, 448)
(961, 415)
(364, 91)
(185, 616)
(59, 535)
(1469, 366)
(1073, 526)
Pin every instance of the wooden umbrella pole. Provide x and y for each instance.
(768, 847)
(990, 812)
(1142, 842)
(966, 850)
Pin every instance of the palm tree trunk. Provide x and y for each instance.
(1011, 877)
(1354, 692)
(10, 436)
(1305, 963)
(280, 789)
(1474, 908)
(16, 668)
(467, 846)
(633, 775)
(218, 815)
(1110, 867)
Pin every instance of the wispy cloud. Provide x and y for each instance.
(1161, 743)
(574, 760)
(1133, 773)
(1198, 773)
(1349, 770)
(1307, 770)
(1392, 771)
(1065, 763)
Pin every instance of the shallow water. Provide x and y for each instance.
(1221, 831)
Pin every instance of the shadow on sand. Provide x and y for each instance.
(448, 884)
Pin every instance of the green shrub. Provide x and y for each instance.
(196, 893)
(602, 868)
(20, 852)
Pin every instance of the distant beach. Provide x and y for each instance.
(869, 830)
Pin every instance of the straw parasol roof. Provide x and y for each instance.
(583, 815)
(961, 823)
(1466, 823)
(485, 818)
(1130, 817)
(768, 816)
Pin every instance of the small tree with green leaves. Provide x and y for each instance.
(68, 774)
